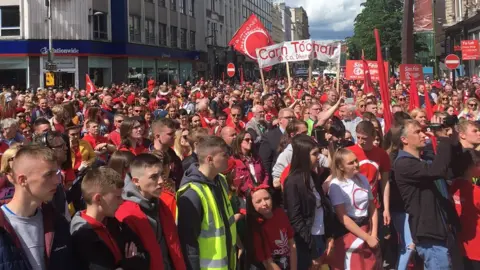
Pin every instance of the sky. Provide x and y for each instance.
(329, 19)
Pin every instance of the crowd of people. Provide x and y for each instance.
(290, 174)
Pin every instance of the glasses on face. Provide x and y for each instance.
(248, 140)
(137, 127)
(119, 121)
(361, 105)
(236, 115)
(472, 105)
(137, 111)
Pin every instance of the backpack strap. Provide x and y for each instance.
(9, 229)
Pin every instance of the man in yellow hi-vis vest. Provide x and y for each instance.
(206, 224)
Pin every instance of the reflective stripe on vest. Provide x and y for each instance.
(212, 240)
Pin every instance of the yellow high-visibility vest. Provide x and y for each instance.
(212, 241)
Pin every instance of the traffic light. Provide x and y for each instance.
(49, 79)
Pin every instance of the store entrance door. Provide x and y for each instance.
(63, 80)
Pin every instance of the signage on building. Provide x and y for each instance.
(411, 70)
(354, 70)
(44, 50)
(230, 70)
(470, 50)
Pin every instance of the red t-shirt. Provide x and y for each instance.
(60, 128)
(136, 151)
(78, 158)
(372, 163)
(114, 137)
(273, 241)
(269, 114)
(94, 141)
(467, 203)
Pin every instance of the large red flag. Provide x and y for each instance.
(367, 79)
(250, 36)
(382, 78)
(413, 92)
(429, 112)
(90, 86)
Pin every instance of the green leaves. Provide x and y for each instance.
(386, 16)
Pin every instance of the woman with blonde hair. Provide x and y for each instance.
(470, 111)
(181, 146)
(421, 116)
(6, 177)
(443, 102)
(352, 199)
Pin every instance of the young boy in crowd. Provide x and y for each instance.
(100, 241)
(34, 235)
(148, 216)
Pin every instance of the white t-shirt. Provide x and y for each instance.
(354, 194)
(317, 226)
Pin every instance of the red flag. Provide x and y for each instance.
(382, 78)
(413, 91)
(250, 36)
(428, 105)
(367, 79)
(90, 86)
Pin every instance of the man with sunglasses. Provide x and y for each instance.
(235, 120)
(114, 136)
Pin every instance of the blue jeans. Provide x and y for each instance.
(400, 221)
(320, 245)
(435, 255)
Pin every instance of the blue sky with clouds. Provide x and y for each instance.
(329, 19)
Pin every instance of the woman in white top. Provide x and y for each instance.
(356, 241)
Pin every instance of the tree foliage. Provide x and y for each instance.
(386, 16)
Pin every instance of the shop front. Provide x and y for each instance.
(100, 70)
(23, 62)
(13, 72)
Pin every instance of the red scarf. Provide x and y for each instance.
(104, 235)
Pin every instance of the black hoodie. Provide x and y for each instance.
(190, 215)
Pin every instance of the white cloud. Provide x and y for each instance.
(329, 15)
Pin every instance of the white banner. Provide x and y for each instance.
(298, 50)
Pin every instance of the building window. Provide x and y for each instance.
(149, 32)
(183, 38)
(192, 40)
(162, 34)
(191, 8)
(9, 21)
(150, 1)
(161, 3)
(134, 28)
(100, 30)
(173, 36)
(213, 5)
(182, 6)
(173, 4)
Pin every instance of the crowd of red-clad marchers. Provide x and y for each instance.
(221, 175)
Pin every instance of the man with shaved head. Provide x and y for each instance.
(27, 220)
(228, 134)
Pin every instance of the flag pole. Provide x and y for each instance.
(338, 66)
(288, 72)
(263, 80)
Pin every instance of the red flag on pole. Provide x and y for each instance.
(90, 86)
(367, 79)
(250, 36)
(429, 112)
(382, 77)
(413, 91)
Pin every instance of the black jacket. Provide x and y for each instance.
(58, 243)
(430, 214)
(300, 205)
(268, 148)
(93, 254)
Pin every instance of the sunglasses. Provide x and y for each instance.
(137, 110)
(235, 115)
(472, 105)
(248, 140)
